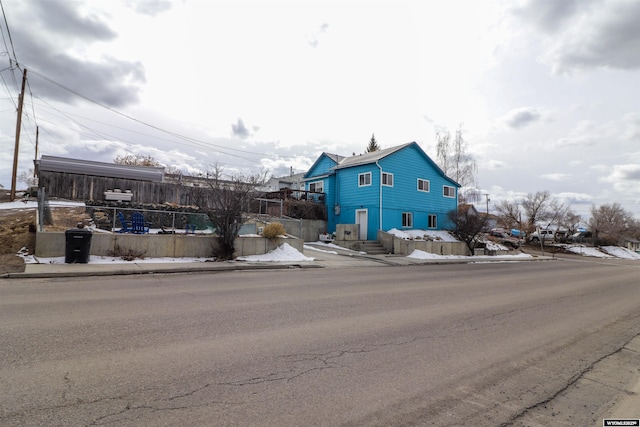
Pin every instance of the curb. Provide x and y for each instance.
(147, 270)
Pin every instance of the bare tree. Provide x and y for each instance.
(223, 202)
(457, 164)
(509, 214)
(537, 208)
(136, 160)
(570, 221)
(28, 177)
(609, 223)
(468, 224)
(557, 212)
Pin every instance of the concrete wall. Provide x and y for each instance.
(258, 245)
(53, 244)
(347, 232)
(305, 229)
(400, 246)
(347, 236)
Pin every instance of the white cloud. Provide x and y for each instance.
(557, 176)
(570, 198)
(625, 178)
(631, 123)
(586, 34)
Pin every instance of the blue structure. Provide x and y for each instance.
(398, 187)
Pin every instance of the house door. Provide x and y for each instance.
(361, 220)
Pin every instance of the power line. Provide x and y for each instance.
(202, 144)
(102, 135)
(8, 33)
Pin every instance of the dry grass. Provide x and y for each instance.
(17, 231)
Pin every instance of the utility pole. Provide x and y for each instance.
(18, 126)
(37, 137)
(488, 200)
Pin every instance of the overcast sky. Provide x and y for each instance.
(547, 92)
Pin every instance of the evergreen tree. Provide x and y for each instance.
(373, 144)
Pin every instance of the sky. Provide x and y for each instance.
(546, 92)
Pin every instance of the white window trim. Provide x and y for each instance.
(409, 216)
(316, 184)
(364, 174)
(387, 174)
(435, 220)
(428, 190)
(453, 191)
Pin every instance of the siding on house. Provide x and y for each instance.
(323, 165)
(406, 163)
(322, 170)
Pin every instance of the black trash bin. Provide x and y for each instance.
(78, 245)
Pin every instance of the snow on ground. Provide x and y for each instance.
(620, 252)
(95, 259)
(588, 251)
(493, 246)
(418, 254)
(309, 245)
(283, 253)
(441, 235)
(313, 248)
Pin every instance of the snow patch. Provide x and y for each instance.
(283, 253)
(588, 251)
(418, 254)
(620, 252)
(439, 235)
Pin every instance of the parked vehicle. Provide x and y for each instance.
(544, 235)
(517, 233)
(504, 238)
(561, 236)
(580, 237)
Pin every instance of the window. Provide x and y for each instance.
(448, 191)
(423, 185)
(364, 179)
(407, 219)
(433, 221)
(316, 186)
(387, 179)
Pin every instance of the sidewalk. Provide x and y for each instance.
(334, 258)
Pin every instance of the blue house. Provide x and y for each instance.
(398, 187)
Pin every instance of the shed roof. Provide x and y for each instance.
(90, 167)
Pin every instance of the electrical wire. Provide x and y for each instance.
(193, 141)
(199, 143)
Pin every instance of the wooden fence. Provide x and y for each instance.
(86, 187)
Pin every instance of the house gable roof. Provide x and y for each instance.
(368, 158)
(372, 157)
(335, 158)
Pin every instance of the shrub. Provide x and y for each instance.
(273, 230)
(126, 254)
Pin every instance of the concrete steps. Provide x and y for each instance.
(372, 247)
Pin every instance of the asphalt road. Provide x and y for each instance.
(481, 345)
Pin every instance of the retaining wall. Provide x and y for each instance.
(399, 246)
(52, 244)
